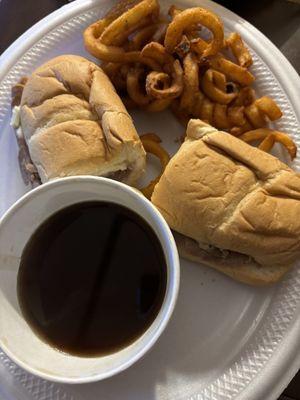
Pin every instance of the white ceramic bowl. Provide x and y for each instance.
(17, 225)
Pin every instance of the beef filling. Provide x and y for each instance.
(209, 254)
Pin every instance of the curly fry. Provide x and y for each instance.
(240, 51)
(122, 39)
(198, 104)
(245, 97)
(239, 130)
(154, 79)
(112, 53)
(192, 16)
(256, 118)
(220, 80)
(132, 18)
(236, 131)
(151, 136)
(142, 36)
(157, 79)
(120, 8)
(190, 83)
(280, 137)
(157, 52)
(160, 33)
(174, 10)
(233, 71)
(158, 105)
(287, 142)
(134, 89)
(236, 116)
(198, 45)
(220, 119)
(111, 68)
(207, 109)
(153, 147)
(269, 108)
(181, 116)
(213, 92)
(255, 134)
(117, 74)
(267, 144)
(183, 47)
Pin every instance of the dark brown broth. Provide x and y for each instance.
(92, 278)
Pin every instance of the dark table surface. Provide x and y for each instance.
(279, 20)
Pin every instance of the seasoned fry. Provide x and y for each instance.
(159, 80)
(268, 107)
(192, 16)
(157, 52)
(97, 49)
(207, 109)
(119, 8)
(132, 18)
(153, 147)
(255, 134)
(142, 36)
(183, 47)
(268, 142)
(160, 33)
(122, 38)
(111, 69)
(240, 51)
(255, 117)
(198, 104)
(236, 116)
(245, 97)
(232, 71)
(154, 79)
(287, 142)
(158, 105)
(190, 83)
(182, 117)
(151, 136)
(213, 92)
(156, 64)
(280, 137)
(134, 88)
(174, 10)
(198, 45)
(112, 53)
(239, 130)
(236, 131)
(117, 74)
(220, 81)
(199, 98)
(220, 119)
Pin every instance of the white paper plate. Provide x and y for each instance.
(225, 340)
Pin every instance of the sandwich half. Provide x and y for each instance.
(231, 206)
(72, 122)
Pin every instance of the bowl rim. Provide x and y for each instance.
(171, 255)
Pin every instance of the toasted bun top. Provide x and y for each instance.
(221, 191)
(74, 122)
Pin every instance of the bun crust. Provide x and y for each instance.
(74, 122)
(221, 191)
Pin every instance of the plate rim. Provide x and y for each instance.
(289, 81)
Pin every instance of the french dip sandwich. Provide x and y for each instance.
(70, 121)
(231, 206)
